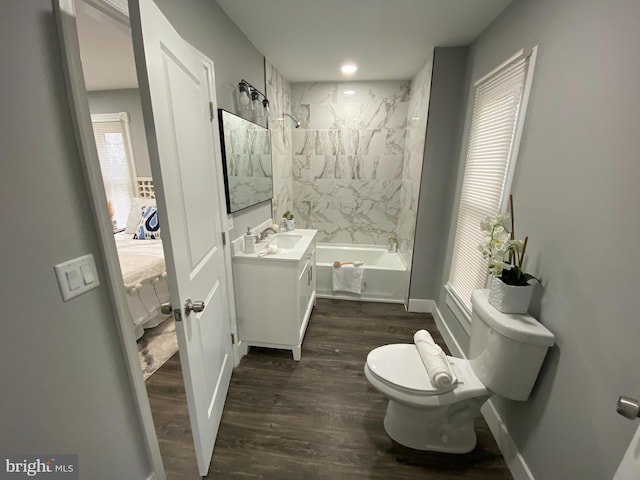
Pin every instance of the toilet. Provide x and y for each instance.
(505, 356)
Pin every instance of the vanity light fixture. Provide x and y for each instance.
(255, 104)
(243, 96)
(349, 92)
(250, 96)
(349, 68)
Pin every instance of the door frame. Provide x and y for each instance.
(79, 103)
(64, 11)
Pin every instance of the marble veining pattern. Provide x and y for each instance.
(279, 95)
(248, 161)
(348, 158)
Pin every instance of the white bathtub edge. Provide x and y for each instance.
(337, 296)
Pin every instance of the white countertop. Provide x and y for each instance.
(283, 254)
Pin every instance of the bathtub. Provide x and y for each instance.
(385, 275)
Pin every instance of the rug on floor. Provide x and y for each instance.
(156, 346)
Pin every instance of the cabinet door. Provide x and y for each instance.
(304, 282)
(312, 274)
(306, 285)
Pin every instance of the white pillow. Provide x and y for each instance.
(149, 227)
(138, 205)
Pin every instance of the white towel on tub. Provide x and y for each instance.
(348, 278)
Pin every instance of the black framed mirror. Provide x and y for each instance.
(246, 161)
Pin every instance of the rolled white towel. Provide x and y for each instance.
(434, 359)
(423, 336)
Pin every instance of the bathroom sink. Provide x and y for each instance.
(286, 240)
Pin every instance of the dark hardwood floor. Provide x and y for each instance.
(317, 418)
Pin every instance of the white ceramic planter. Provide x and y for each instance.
(289, 225)
(509, 298)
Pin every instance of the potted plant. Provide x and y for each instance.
(289, 222)
(510, 289)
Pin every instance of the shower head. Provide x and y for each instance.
(295, 120)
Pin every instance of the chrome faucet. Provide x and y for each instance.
(264, 233)
(393, 245)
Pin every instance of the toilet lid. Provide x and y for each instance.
(400, 366)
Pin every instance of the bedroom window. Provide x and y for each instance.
(496, 126)
(113, 141)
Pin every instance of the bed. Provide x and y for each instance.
(142, 264)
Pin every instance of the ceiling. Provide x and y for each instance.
(106, 50)
(308, 40)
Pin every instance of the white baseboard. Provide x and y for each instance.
(512, 456)
(242, 348)
(421, 306)
(360, 298)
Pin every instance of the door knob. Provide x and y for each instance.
(628, 407)
(190, 306)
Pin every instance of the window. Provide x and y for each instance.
(113, 142)
(496, 126)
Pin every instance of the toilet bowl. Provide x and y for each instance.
(505, 356)
(419, 415)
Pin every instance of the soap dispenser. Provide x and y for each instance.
(249, 242)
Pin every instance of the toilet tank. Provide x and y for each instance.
(506, 351)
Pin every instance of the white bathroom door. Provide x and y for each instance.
(178, 100)
(629, 468)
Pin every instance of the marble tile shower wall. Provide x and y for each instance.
(413, 159)
(348, 159)
(279, 95)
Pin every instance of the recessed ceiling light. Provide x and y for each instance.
(348, 68)
(349, 92)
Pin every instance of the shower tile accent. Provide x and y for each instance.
(416, 132)
(279, 95)
(348, 159)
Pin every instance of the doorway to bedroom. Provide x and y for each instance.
(181, 137)
(116, 116)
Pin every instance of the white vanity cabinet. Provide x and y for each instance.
(275, 295)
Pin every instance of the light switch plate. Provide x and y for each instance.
(77, 276)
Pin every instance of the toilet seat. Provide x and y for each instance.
(398, 372)
(400, 366)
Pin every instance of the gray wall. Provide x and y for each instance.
(113, 101)
(64, 382)
(208, 28)
(576, 196)
(439, 167)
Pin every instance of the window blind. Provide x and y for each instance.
(112, 143)
(496, 111)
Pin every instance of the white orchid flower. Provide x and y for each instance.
(500, 251)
